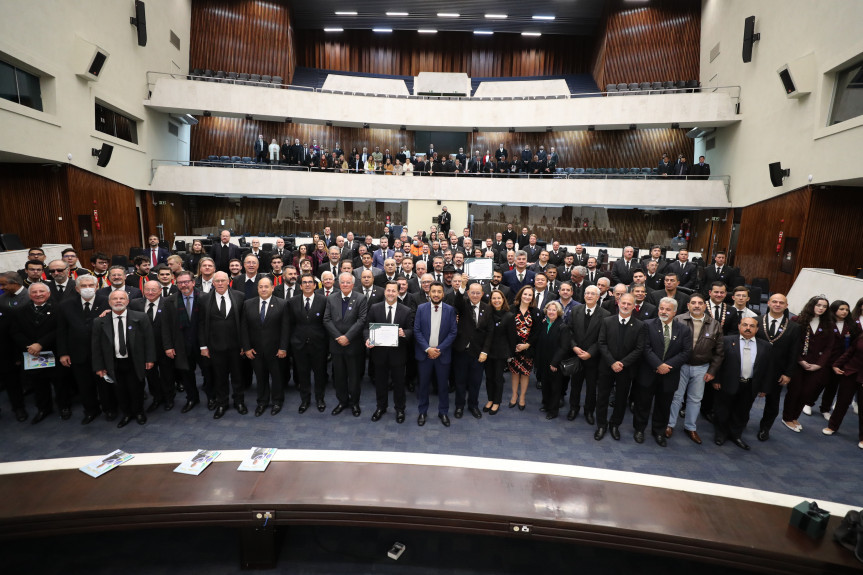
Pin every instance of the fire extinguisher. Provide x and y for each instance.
(96, 220)
(388, 220)
(779, 243)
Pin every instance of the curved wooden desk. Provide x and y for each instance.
(668, 522)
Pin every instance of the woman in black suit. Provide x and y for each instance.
(526, 326)
(502, 346)
(550, 351)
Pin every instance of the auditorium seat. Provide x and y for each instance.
(668, 87)
(243, 79)
(255, 79)
(267, 79)
(764, 285)
(267, 247)
(645, 172)
(180, 245)
(224, 160)
(693, 84)
(219, 75)
(235, 159)
(656, 86)
(278, 80)
(213, 159)
(196, 74)
(644, 86)
(208, 75)
(680, 85)
(633, 87)
(579, 171)
(9, 242)
(134, 252)
(232, 77)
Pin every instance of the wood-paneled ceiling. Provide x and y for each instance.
(571, 17)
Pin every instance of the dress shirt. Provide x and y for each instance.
(623, 320)
(227, 299)
(206, 285)
(753, 351)
(114, 318)
(267, 308)
(434, 326)
(84, 302)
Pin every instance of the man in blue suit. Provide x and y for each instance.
(155, 254)
(516, 278)
(435, 330)
(383, 254)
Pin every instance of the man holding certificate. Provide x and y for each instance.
(387, 333)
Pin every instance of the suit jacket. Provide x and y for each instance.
(446, 336)
(28, 327)
(679, 350)
(260, 146)
(139, 343)
(272, 335)
(132, 292)
(161, 255)
(596, 275)
(279, 292)
(179, 331)
(729, 378)
(486, 292)
(851, 361)
(216, 254)
(211, 334)
(404, 317)
(349, 324)
(655, 296)
(708, 348)
(378, 258)
(249, 289)
(661, 263)
(377, 274)
(307, 329)
(74, 328)
(69, 292)
(657, 282)
(556, 259)
(728, 276)
(687, 277)
(665, 169)
(444, 220)
(510, 279)
(552, 345)
(532, 252)
(645, 311)
(700, 170)
(263, 261)
(472, 336)
(586, 338)
(613, 348)
(620, 274)
(376, 297)
(580, 259)
(784, 350)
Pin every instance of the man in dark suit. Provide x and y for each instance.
(435, 330)
(744, 375)
(259, 149)
(579, 256)
(671, 284)
(593, 272)
(160, 378)
(224, 251)
(142, 273)
(123, 350)
(585, 322)
(701, 169)
(621, 271)
(655, 255)
(667, 347)
(309, 342)
(248, 282)
(495, 284)
(784, 337)
(687, 272)
(665, 167)
(220, 337)
(372, 293)
(180, 325)
(157, 255)
(652, 278)
(500, 153)
(444, 221)
(332, 263)
(644, 310)
(117, 281)
(390, 362)
(472, 345)
(265, 333)
(681, 168)
(344, 320)
(74, 325)
(14, 297)
(520, 276)
(62, 288)
(720, 272)
(532, 249)
(621, 343)
(329, 237)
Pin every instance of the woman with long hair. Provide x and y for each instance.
(301, 253)
(850, 368)
(319, 256)
(848, 330)
(526, 320)
(814, 358)
(195, 255)
(502, 346)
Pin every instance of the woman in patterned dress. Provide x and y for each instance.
(526, 323)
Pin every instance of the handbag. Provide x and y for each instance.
(849, 534)
(570, 366)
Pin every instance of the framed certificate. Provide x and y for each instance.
(384, 334)
(479, 268)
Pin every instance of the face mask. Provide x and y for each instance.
(88, 293)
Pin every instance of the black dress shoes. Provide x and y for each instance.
(21, 414)
(321, 405)
(211, 404)
(219, 412)
(571, 415)
(303, 407)
(259, 411)
(599, 433)
(189, 406)
(421, 419)
(376, 416)
(277, 407)
(551, 415)
(241, 408)
(486, 408)
(124, 421)
(740, 443)
(180, 387)
(615, 432)
(65, 413)
(660, 440)
(709, 417)
(589, 418)
(355, 409)
(141, 419)
(444, 418)
(763, 435)
(459, 412)
(400, 416)
(154, 406)
(40, 416)
(474, 411)
(639, 437)
(338, 409)
(169, 405)
(543, 409)
(110, 415)
(719, 440)
(88, 419)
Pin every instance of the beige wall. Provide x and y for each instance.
(772, 127)
(41, 35)
(421, 212)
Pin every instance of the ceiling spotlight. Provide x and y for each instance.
(475, 130)
(512, 130)
(427, 31)
(365, 126)
(397, 13)
(334, 29)
(447, 15)
(549, 129)
(496, 16)
(483, 32)
(675, 126)
(207, 113)
(591, 128)
(403, 128)
(543, 17)
(382, 30)
(531, 34)
(289, 120)
(249, 117)
(330, 124)
(633, 127)
(343, 13)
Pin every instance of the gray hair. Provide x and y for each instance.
(554, 304)
(670, 301)
(580, 270)
(604, 280)
(84, 278)
(591, 289)
(520, 253)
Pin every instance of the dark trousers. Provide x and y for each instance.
(225, 363)
(160, 379)
(848, 388)
(708, 400)
(346, 378)
(305, 364)
(441, 376)
(11, 376)
(384, 373)
(494, 368)
(468, 379)
(732, 411)
(88, 387)
(621, 383)
(655, 394)
(590, 374)
(804, 388)
(552, 385)
(771, 404)
(266, 367)
(41, 381)
(829, 392)
(129, 389)
(187, 376)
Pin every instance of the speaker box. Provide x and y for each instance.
(140, 22)
(90, 59)
(798, 76)
(104, 154)
(777, 173)
(749, 37)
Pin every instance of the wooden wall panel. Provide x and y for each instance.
(648, 43)
(253, 37)
(708, 236)
(833, 238)
(406, 53)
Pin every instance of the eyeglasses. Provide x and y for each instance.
(56, 271)
(184, 282)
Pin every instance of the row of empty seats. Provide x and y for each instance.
(634, 88)
(235, 78)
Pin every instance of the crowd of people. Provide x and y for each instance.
(666, 340)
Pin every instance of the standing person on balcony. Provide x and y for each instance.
(260, 149)
(274, 152)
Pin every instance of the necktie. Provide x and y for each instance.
(308, 304)
(638, 309)
(719, 270)
(520, 278)
(121, 337)
(773, 328)
(188, 307)
(623, 322)
(746, 368)
(368, 293)
(327, 293)
(435, 307)
(667, 338)
(716, 312)
(263, 311)
(151, 313)
(165, 291)
(476, 314)
(627, 265)
(155, 262)
(60, 289)
(438, 278)
(223, 307)
(390, 315)
(344, 305)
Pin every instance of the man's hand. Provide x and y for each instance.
(171, 353)
(617, 367)
(102, 373)
(149, 365)
(838, 371)
(708, 378)
(663, 369)
(34, 349)
(717, 386)
(434, 353)
(250, 353)
(784, 380)
(343, 341)
(65, 361)
(281, 354)
(205, 352)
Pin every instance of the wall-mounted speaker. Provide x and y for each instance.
(798, 76)
(90, 59)
(104, 154)
(139, 21)
(749, 37)
(777, 174)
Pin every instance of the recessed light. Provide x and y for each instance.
(447, 15)
(483, 32)
(382, 30)
(531, 34)
(338, 13)
(427, 31)
(397, 13)
(496, 16)
(543, 17)
(334, 29)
